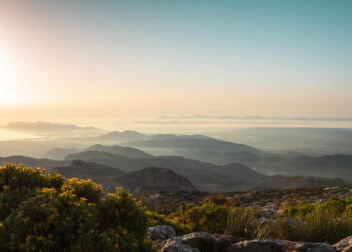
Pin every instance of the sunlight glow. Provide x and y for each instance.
(7, 77)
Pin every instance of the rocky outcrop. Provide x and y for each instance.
(311, 247)
(259, 246)
(198, 241)
(160, 233)
(202, 241)
(344, 244)
(280, 246)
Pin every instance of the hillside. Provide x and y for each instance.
(146, 181)
(120, 150)
(192, 143)
(121, 136)
(60, 153)
(47, 127)
(33, 162)
(205, 176)
(330, 166)
(152, 179)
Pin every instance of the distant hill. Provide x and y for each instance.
(205, 176)
(192, 144)
(199, 147)
(107, 176)
(152, 179)
(60, 153)
(147, 180)
(122, 136)
(54, 129)
(44, 126)
(218, 157)
(120, 150)
(330, 166)
(33, 162)
(109, 169)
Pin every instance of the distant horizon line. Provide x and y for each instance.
(257, 117)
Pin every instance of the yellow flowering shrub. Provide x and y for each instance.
(46, 212)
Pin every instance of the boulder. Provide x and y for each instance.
(344, 243)
(175, 245)
(311, 247)
(280, 246)
(224, 242)
(198, 241)
(259, 246)
(347, 249)
(160, 233)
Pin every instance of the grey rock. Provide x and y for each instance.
(198, 241)
(344, 243)
(347, 249)
(201, 240)
(259, 246)
(161, 232)
(175, 245)
(311, 247)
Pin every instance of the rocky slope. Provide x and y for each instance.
(266, 202)
(167, 241)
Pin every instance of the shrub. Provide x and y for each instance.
(330, 222)
(45, 212)
(208, 217)
(243, 222)
(158, 219)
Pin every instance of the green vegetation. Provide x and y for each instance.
(330, 221)
(46, 212)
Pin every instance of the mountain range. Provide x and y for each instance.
(146, 181)
(210, 164)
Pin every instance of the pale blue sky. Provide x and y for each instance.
(291, 58)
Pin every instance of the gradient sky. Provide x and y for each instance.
(153, 58)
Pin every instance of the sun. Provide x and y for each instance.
(7, 69)
(7, 78)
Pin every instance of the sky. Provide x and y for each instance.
(121, 59)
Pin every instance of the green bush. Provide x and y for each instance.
(329, 222)
(45, 212)
(158, 219)
(324, 223)
(208, 217)
(243, 222)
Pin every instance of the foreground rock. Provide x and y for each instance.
(344, 245)
(280, 246)
(161, 232)
(202, 241)
(198, 241)
(311, 247)
(259, 246)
